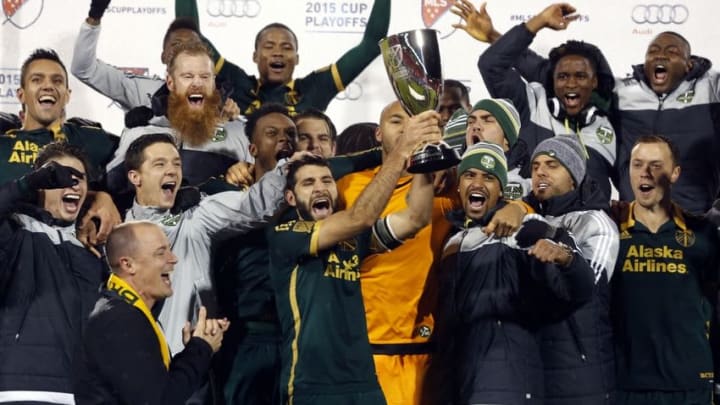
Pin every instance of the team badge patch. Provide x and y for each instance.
(303, 227)
(487, 162)
(424, 331)
(220, 135)
(513, 191)
(605, 135)
(170, 220)
(686, 97)
(685, 238)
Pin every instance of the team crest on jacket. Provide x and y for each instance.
(513, 191)
(170, 220)
(220, 135)
(686, 97)
(604, 134)
(685, 238)
(303, 226)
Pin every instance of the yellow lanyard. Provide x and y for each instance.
(126, 292)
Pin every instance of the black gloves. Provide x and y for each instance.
(97, 8)
(138, 117)
(534, 230)
(51, 175)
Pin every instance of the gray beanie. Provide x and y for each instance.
(568, 152)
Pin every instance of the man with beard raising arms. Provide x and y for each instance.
(315, 256)
(208, 146)
(249, 365)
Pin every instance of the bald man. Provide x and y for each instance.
(397, 286)
(125, 357)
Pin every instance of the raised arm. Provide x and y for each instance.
(343, 165)
(371, 202)
(241, 211)
(478, 25)
(128, 90)
(354, 61)
(496, 62)
(405, 224)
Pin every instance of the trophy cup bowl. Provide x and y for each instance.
(412, 62)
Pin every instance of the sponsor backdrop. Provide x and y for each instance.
(133, 30)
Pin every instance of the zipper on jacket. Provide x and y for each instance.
(657, 113)
(575, 332)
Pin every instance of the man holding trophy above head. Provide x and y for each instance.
(398, 286)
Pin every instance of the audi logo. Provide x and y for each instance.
(660, 14)
(233, 8)
(353, 91)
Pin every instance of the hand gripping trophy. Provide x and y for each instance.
(412, 62)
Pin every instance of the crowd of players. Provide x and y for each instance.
(231, 247)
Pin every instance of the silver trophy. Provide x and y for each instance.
(412, 62)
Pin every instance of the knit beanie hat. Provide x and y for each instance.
(506, 115)
(568, 152)
(487, 157)
(454, 131)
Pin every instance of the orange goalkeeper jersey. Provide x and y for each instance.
(398, 287)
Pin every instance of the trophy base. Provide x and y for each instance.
(433, 157)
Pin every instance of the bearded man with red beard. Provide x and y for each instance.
(208, 145)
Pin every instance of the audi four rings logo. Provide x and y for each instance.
(660, 14)
(233, 8)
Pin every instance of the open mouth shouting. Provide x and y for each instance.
(660, 74)
(71, 202)
(166, 278)
(476, 203)
(476, 200)
(645, 189)
(168, 189)
(196, 100)
(571, 100)
(277, 66)
(321, 207)
(47, 101)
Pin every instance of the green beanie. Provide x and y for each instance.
(506, 115)
(487, 157)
